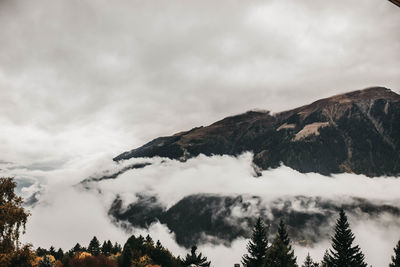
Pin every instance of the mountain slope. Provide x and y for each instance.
(204, 218)
(354, 132)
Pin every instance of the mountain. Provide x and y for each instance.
(207, 218)
(357, 132)
(396, 2)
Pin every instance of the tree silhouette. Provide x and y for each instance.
(76, 248)
(158, 245)
(281, 254)
(106, 248)
(195, 259)
(94, 246)
(396, 258)
(116, 248)
(59, 254)
(52, 251)
(149, 240)
(257, 246)
(325, 260)
(308, 262)
(127, 256)
(343, 253)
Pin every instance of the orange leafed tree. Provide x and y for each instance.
(13, 218)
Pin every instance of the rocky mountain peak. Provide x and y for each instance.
(358, 132)
(336, 105)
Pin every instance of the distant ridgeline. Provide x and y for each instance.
(356, 132)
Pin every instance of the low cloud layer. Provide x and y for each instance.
(66, 213)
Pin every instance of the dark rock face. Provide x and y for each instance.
(205, 218)
(114, 175)
(356, 132)
(141, 213)
(396, 2)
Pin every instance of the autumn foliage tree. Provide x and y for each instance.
(92, 261)
(13, 218)
(46, 262)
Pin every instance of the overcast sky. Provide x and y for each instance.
(84, 80)
(85, 77)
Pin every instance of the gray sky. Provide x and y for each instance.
(82, 80)
(79, 78)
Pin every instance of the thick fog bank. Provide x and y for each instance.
(68, 211)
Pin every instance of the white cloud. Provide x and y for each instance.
(66, 214)
(172, 180)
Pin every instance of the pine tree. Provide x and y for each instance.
(257, 246)
(396, 258)
(77, 248)
(127, 256)
(41, 251)
(106, 248)
(116, 248)
(103, 248)
(149, 240)
(281, 254)
(52, 251)
(308, 262)
(59, 254)
(325, 260)
(158, 245)
(141, 239)
(343, 253)
(109, 247)
(94, 246)
(283, 235)
(195, 259)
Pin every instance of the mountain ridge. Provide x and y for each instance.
(357, 132)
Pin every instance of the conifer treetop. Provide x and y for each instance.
(396, 257)
(257, 246)
(343, 252)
